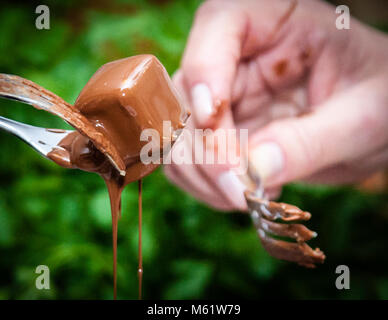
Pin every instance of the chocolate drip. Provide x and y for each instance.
(115, 205)
(140, 269)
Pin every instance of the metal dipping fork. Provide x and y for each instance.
(41, 139)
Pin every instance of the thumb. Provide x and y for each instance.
(210, 59)
(344, 128)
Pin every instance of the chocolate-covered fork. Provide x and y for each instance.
(278, 225)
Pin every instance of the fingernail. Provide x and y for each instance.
(267, 159)
(233, 188)
(202, 102)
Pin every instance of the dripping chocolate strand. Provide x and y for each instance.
(115, 203)
(140, 269)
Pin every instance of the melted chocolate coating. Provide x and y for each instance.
(122, 99)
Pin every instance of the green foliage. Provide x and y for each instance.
(61, 218)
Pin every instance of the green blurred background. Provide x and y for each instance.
(61, 218)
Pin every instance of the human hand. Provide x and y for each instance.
(313, 97)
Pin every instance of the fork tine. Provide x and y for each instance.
(276, 210)
(301, 253)
(19, 89)
(299, 232)
(41, 139)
